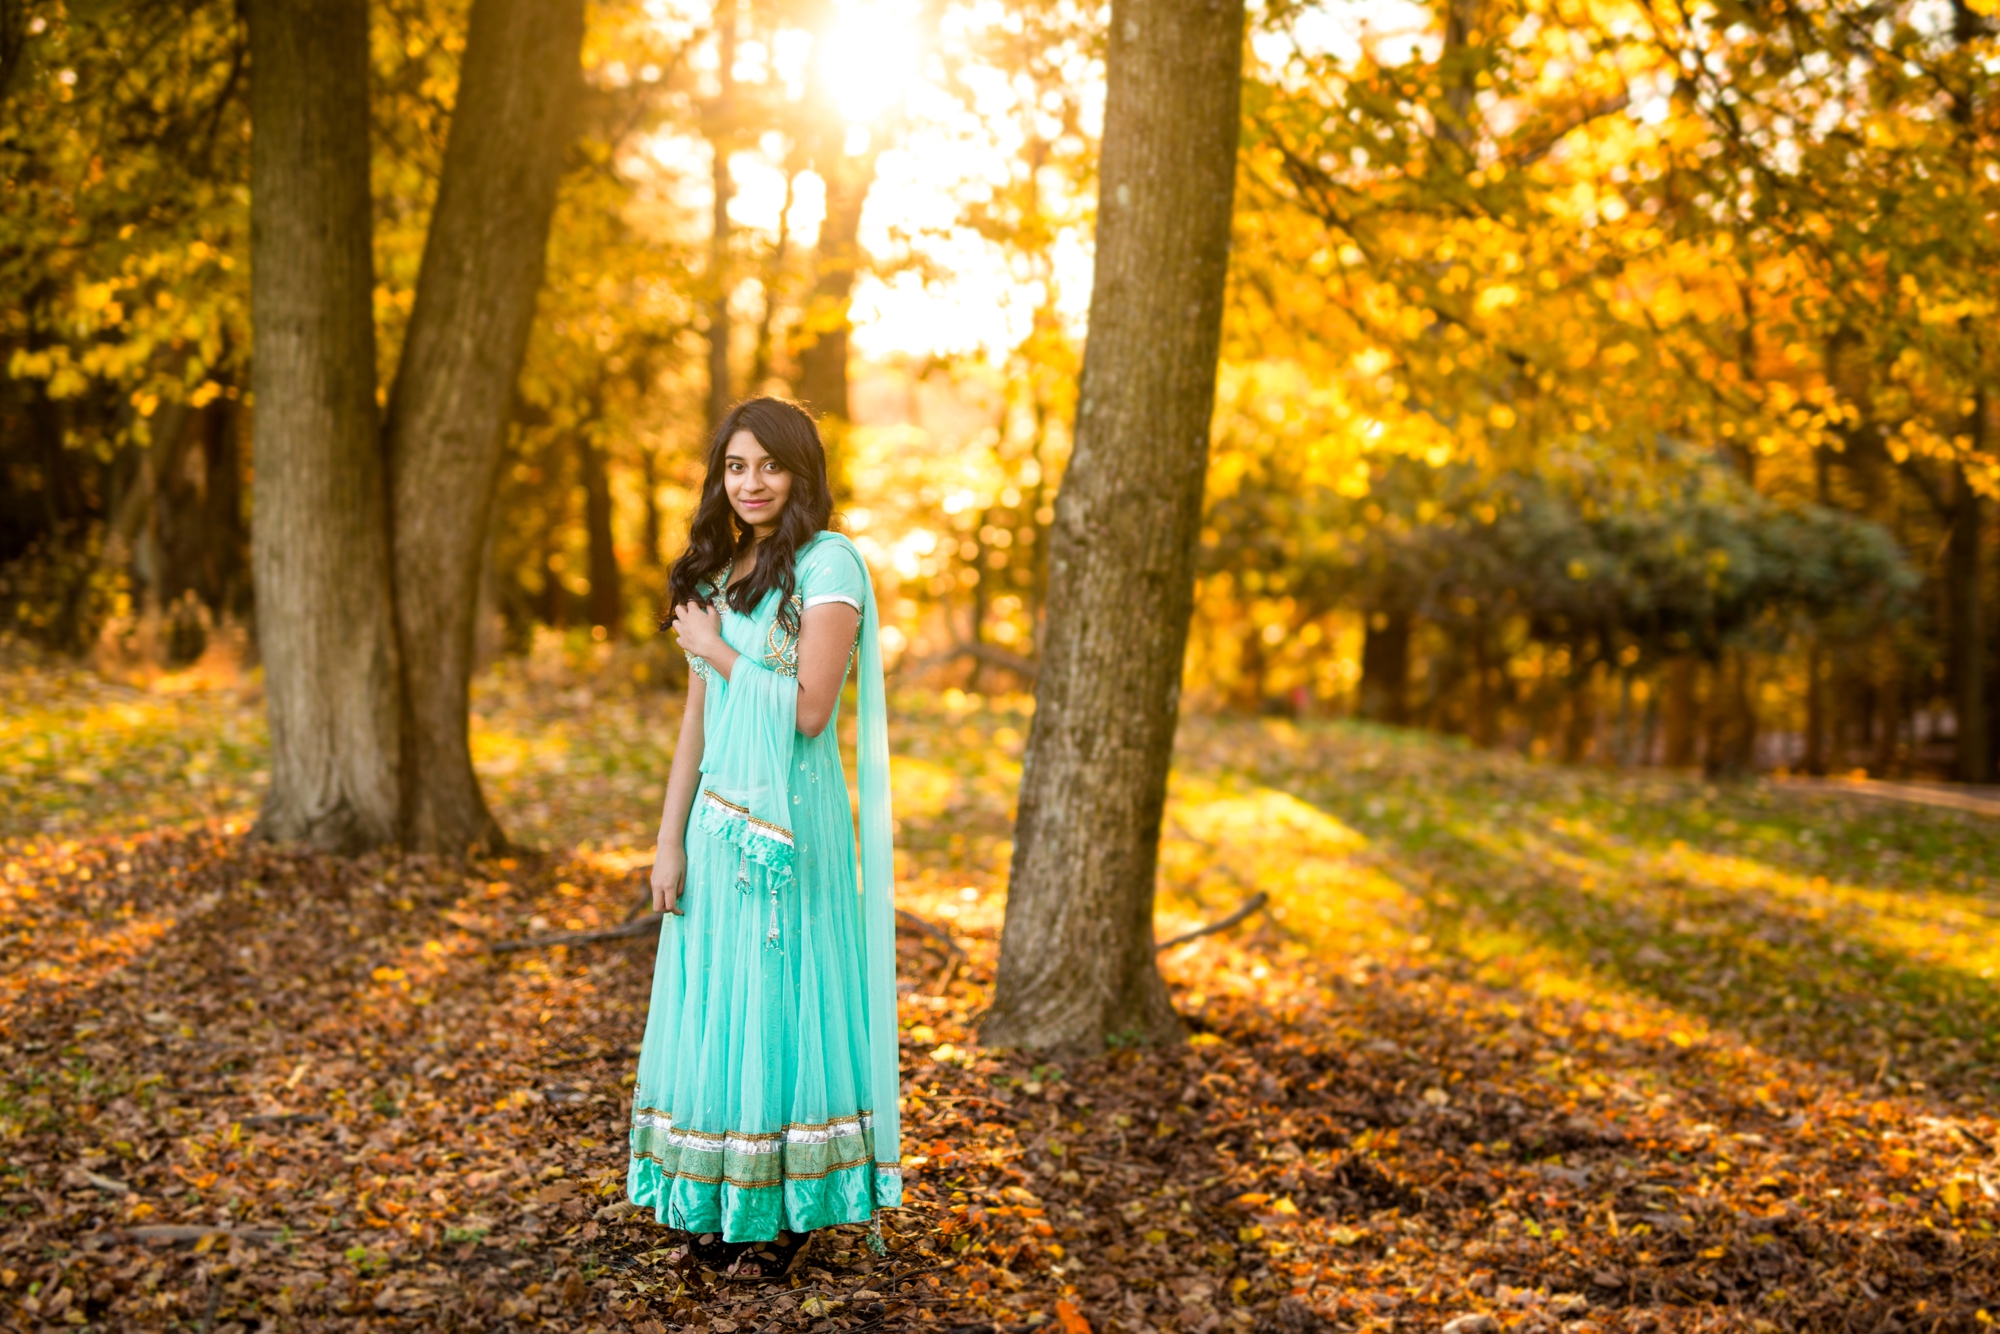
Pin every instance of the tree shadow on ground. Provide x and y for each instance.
(1521, 867)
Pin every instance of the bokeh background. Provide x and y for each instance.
(1600, 381)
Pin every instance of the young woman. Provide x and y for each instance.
(767, 1091)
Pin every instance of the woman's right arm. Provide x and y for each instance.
(670, 858)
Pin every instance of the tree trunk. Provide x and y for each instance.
(606, 601)
(774, 277)
(1076, 960)
(1484, 724)
(1385, 668)
(721, 138)
(475, 300)
(199, 500)
(649, 480)
(1814, 761)
(1682, 712)
(1889, 716)
(1580, 721)
(823, 354)
(1973, 762)
(1732, 717)
(320, 548)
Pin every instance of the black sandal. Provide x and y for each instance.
(791, 1251)
(711, 1251)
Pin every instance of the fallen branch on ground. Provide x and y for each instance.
(1254, 904)
(1026, 668)
(164, 1233)
(923, 926)
(638, 926)
(282, 1119)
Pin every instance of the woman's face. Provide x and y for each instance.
(757, 484)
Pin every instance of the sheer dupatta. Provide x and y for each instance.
(878, 896)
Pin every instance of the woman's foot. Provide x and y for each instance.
(710, 1250)
(778, 1256)
(791, 1248)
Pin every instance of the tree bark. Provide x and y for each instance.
(606, 599)
(1580, 720)
(1076, 961)
(721, 138)
(1732, 717)
(1385, 668)
(1814, 760)
(774, 277)
(1974, 762)
(651, 483)
(320, 547)
(482, 268)
(1682, 712)
(823, 354)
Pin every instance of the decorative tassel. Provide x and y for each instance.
(875, 1242)
(743, 870)
(771, 936)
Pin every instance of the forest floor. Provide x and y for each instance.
(1542, 1047)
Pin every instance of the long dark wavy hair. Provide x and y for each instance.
(716, 535)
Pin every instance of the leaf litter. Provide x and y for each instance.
(1515, 1047)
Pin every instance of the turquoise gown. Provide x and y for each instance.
(768, 1082)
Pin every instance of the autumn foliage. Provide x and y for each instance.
(1513, 1040)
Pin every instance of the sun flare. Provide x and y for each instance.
(868, 59)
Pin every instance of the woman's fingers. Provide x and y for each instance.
(667, 886)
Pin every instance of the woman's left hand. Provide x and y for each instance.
(698, 628)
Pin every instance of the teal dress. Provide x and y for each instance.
(767, 1088)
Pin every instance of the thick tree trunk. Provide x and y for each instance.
(320, 549)
(606, 598)
(475, 300)
(1076, 960)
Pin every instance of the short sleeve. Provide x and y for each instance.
(831, 572)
